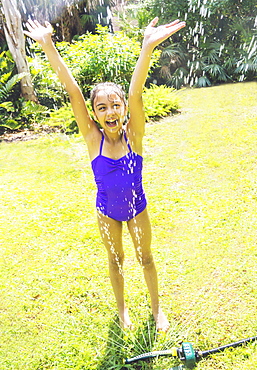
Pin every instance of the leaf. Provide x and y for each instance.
(8, 105)
(6, 89)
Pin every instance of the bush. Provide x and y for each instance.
(15, 112)
(101, 57)
(46, 83)
(92, 59)
(64, 119)
(8, 109)
(8, 90)
(159, 101)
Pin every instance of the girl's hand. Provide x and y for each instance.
(39, 33)
(153, 36)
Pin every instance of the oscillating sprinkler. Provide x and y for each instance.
(187, 354)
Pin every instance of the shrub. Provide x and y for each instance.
(101, 57)
(46, 83)
(8, 113)
(15, 112)
(92, 59)
(64, 119)
(159, 101)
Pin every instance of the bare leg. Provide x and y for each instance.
(140, 231)
(111, 233)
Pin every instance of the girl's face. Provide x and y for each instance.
(109, 110)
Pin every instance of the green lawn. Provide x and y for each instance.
(57, 309)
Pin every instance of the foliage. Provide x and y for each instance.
(8, 115)
(64, 119)
(7, 83)
(159, 101)
(21, 114)
(57, 305)
(92, 59)
(6, 62)
(102, 57)
(15, 112)
(46, 83)
(33, 113)
(126, 20)
(219, 41)
(8, 77)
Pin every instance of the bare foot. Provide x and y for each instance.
(162, 323)
(125, 321)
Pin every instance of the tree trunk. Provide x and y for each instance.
(16, 44)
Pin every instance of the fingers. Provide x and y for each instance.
(29, 26)
(37, 31)
(153, 22)
(171, 24)
(176, 22)
(32, 25)
(48, 26)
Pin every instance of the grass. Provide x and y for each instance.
(57, 309)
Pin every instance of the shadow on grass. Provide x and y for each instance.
(114, 352)
(122, 344)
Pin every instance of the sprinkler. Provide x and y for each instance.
(187, 353)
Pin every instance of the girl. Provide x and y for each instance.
(115, 152)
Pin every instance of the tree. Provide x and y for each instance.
(16, 43)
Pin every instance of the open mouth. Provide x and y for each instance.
(112, 123)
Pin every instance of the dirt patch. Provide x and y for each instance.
(26, 135)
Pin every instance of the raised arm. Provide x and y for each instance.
(43, 35)
(153, 36)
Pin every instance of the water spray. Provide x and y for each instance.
(187, 354)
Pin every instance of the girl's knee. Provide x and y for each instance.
(115, 260)
(146, 261)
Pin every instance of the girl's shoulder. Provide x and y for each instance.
(135, 141)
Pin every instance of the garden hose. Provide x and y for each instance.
(187, 354)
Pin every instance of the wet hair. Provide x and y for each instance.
(110, 88)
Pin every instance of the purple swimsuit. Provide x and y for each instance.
(120, 193)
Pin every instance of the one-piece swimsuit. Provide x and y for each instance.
(120, 193)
